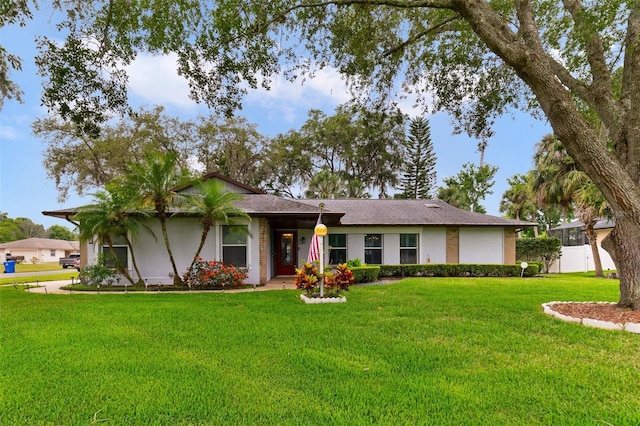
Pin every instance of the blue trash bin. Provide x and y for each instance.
(9, 266)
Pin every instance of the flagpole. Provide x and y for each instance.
(320, 231)
(321, 266)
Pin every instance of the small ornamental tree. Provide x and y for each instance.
(545, 249)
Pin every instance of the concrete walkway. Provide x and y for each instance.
(54, 287)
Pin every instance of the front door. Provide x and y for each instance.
(286, 251)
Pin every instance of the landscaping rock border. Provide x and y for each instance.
(315, 300)
(631, 327)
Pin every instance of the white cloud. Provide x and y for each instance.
(290, 100)
(15, 127)
(9, 133)
(156, 80)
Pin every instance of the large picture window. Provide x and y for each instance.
(373, 249)
(234, 245)
(409, 249)
(338, 252)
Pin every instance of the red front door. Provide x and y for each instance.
(286, 251)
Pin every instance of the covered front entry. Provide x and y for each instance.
(286, 252)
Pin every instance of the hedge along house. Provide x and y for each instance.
(376, 231)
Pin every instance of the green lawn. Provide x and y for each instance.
(421, 351)
(38, 267)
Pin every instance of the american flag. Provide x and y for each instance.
(314, 246)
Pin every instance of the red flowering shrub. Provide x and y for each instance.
(214, 274)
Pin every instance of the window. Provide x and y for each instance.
(234, 245)
(338, 245)
(121, 250)
(571, 236)
(373, 249)
(409, 248)
(52, 253)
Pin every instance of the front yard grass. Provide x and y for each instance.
(39, 267)
(420, 351)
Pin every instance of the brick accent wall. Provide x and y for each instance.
(453, 245)
(83, 254)
(263, 231)
(509, 246)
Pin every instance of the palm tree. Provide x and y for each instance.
(591, 205)
(109, 217)
(214, 205)
(154, 183)
(326, 184)
(518, 201)
(556, 176)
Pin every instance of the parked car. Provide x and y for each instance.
(68, 262)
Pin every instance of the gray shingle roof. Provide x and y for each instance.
(410, 212)
(364, 212)
(600, 224)
(272, 204)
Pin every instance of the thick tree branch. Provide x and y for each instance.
(399, 4)
(629, 150)
(493, 30)
(599, 94)
(593, 47)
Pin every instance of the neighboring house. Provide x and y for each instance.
(385, 231)
(43, 249)
(576, 251)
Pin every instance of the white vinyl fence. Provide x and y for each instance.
(580, 259)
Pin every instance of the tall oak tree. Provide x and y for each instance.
(474, 58)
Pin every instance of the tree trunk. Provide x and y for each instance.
(133, 259)
(203, 238)
(623, 244)
(163, 224)
(617, 174)
(593, 243)
(119, 266)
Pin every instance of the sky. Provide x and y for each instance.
(25, 190)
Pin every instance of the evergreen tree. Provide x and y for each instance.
(419, 178)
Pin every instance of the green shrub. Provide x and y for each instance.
(543, 249)
(101, 272)
(365, 274)
(354, 263)
(456, 270)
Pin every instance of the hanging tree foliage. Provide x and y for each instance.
(569, 60)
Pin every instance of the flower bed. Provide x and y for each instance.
(212, 274)
(334, 283)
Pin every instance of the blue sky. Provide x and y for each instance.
(25, 190)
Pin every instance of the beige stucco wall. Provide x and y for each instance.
(509, 246)
(453, 245)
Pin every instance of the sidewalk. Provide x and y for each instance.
(54, 287)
